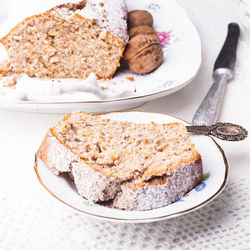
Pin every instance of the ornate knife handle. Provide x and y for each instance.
(223, 131)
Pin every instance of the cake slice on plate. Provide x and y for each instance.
(138, 166)
(69, 41)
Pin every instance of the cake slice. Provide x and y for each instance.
(139, 166)
(70, 41)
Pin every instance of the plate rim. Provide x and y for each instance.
(150, 219)
(152, 94)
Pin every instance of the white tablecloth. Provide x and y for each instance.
(30, 219)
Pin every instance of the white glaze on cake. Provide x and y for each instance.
(27, 88)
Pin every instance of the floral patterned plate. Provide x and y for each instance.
(215, 176)
(182, 59)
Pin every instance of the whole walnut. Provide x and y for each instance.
(144, 53)
(139, 17)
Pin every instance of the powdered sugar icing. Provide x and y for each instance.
(109, 14)
(183, 179)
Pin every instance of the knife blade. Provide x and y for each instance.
(208, 111)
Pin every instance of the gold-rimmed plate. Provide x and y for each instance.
(214, 180)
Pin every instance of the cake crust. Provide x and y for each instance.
(164, 191)
(90, 183)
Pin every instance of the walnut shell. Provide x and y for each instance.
(139, 17)
(147, 60)
(144, 53)
(139, 43)
(142, 29)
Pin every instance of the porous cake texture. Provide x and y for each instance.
(70, 41)
(139, 166)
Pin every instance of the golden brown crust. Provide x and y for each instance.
(71, 6)
(21, 23)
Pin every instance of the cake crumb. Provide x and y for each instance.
(4, 68)
(10, 81)
(129, 78)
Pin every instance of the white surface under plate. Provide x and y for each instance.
(215, 170)
(182, 59)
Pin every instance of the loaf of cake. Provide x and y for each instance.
(137, 166)
(69, 41)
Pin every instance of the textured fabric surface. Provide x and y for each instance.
(223, 224)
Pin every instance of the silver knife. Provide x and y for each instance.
(208, 111)
(204, 120)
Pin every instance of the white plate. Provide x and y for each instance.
(182, 59)
(215, 173)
